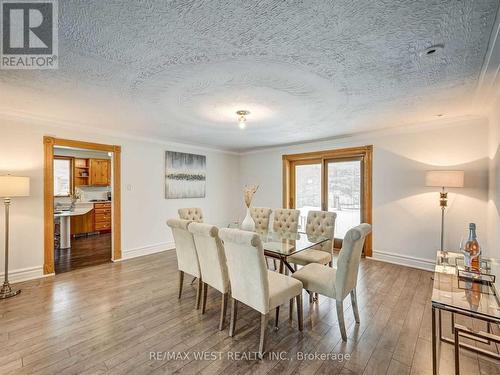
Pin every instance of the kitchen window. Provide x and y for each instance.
(62, 177)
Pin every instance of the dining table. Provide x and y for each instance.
(282, 244)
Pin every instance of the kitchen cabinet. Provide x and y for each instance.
(81, 172)
(96, 220)
(91, 172)
(102, 217)
(100, 172)
(82, 224)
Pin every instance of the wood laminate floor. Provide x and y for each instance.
(110, 318)
(84, 252)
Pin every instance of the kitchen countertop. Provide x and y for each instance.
(80, 209)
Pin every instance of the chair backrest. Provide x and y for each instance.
(193, 214)
(286, 220)
(346, 277)
(211, 256)
(322, 223)
(247, 268)
(187, 259)
(260, 216)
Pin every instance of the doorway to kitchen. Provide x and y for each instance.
(82, 204)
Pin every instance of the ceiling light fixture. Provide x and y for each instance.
(242, 120)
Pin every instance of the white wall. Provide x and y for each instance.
(406, 215)
(494, 182)
(144, 208)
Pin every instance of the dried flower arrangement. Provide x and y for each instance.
(248, 194)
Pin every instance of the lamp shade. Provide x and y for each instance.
(444, 178)
(14, 186)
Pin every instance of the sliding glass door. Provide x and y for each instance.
(344, 188)
(338, 181)
(307, 182)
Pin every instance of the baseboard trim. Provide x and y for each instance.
(147, 250)
(24, 274)
(404, 260)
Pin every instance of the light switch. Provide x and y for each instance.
(129, 187)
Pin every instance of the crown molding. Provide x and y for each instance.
(357, 136)
(94, 130)
(362, 136)
(488, 87)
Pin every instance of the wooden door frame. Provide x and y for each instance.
(365, 152)
(49, 144)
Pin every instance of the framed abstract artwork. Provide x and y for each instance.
(185, 175)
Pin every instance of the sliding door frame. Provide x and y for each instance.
(364, 153)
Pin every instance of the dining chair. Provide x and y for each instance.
(187, 259)
(193, 214)
(210, 250)
(339, 281)
(261, 216)
(251, 282)
(286, 220)
(319, 223)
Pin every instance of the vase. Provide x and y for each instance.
(248, 223)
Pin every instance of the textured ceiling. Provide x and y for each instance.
(306, 70)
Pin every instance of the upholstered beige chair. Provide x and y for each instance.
(210, 250)
(286, 220)
(193, 214)
(252, 284)
(260, 216)
(187, 259)
(339, 281)
(319, 223)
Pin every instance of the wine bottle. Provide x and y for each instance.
(472, 248)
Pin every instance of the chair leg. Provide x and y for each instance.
(198, 293)
(300, 315)
(263, 330)
(340, 316)
(290, 316)
(234, 308)
(277, 317)
(223, 309)
(204, 298)
(181, 282)
(295, 266)
(354, 303)
(274, 264)
(282, 265)
(310, 296)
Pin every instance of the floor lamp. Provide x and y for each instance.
(10, 187)
(444, 179)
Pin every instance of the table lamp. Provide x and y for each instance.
(10, 187)
(444, 179)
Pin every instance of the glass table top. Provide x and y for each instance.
(460, 293)
(286, 243)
